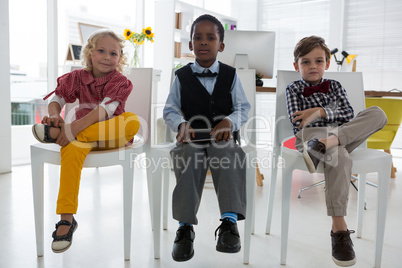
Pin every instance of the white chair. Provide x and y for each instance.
(162, 151)
(138, 102)
(364, 160)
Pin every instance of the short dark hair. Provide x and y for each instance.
(212, 19)
(305, 45)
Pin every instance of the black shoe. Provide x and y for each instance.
(313, 152)
(229, 238)
(342, 248)
(63, 242)
(183, 244)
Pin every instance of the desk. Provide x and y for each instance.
(266, 89)
(372, 93)
(367, 93)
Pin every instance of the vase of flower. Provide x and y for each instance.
(135, 61)
(137, 39)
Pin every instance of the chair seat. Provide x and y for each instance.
(364, 160)
(51, 153)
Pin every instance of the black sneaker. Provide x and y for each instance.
(342, 248)
(313, 152)
(229, 238)
(183, 244)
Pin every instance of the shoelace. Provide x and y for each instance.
(225, 226)
(343, 237)
(184, 233)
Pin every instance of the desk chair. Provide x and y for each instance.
(364, 161)
(161, 175)
(138, 102)
(383, 139)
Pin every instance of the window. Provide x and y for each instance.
(291, 20)
(28, 57)
(373, 31)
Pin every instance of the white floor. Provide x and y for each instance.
(98, 242)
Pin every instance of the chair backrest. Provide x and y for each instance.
(138, 102)
(393, 109)
(248, 131)
(351, 81)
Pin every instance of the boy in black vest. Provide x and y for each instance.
(207, 95)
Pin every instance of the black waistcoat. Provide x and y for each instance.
(201, 109)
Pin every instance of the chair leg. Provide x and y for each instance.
(286, 190)
(393, 169)
(271, 193)
(360, 204)
(37, 167)
(156, 177)
(165, 202)
(259, 177)
(250, 182)
(128, 182)
(309, 187)
(382, 199)
(150, 192)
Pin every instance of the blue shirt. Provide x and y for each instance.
(335, 104)
(172, 110)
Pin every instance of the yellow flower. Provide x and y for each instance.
(127, 34)
(137, 39)
(148, 32)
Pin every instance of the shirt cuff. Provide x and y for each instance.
(177, 124)
(57, 99)
(232, 125)
(110, 107)
(330, 114)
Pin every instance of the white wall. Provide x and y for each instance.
(5, 104)
(21, 142)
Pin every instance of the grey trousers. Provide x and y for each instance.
(226, 161)
(338, 163)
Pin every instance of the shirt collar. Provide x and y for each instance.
(197, 68)
(88, 78)
(307, 84)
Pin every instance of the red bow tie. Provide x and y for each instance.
(323, 88)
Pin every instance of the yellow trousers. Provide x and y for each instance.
(109, 134)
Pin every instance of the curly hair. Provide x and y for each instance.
(91, 44)
(212, 19)
(305, 45)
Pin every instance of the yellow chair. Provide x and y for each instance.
(383, 138)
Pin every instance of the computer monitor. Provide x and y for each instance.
(249, 50)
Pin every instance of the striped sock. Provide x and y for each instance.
(185, 224)
(231, 216)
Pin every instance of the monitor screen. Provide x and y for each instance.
(259, 46)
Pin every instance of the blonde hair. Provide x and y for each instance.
(91, 44)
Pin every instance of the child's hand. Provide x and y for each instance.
(66, 134)
(307, 116)
(52, 120)
(223, 130)
(186, 132)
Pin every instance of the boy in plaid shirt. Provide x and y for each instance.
(326, 130)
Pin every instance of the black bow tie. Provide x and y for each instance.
(206, 74)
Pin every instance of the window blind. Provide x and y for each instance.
(373, 31)
(292, 20)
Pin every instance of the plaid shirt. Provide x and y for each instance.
(335, 104)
